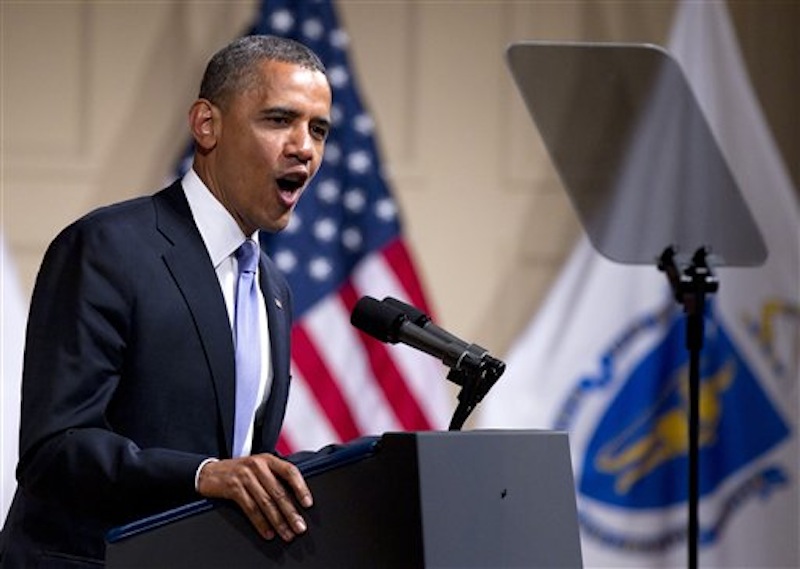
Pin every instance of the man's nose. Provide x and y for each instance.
(300, 144)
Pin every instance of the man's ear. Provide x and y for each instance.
(204, 123)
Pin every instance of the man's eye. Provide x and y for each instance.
(320, 132)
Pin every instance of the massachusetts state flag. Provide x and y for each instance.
(345, 241)
(605, 359)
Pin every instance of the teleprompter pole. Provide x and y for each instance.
(690, 288)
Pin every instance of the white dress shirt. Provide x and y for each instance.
(222, 236)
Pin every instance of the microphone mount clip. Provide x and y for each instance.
(476, 376)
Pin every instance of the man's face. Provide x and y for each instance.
(269, 144)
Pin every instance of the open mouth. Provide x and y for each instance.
(291, 183)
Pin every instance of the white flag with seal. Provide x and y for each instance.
(605, 359)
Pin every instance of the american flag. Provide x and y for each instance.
(345, 241)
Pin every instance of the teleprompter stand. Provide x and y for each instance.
(646, 177)
(690, 287)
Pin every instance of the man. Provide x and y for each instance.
(129, 382)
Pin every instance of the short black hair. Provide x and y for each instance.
(232, 69)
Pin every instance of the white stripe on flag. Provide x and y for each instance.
(306, 427)
(376, 278)
(337, 341)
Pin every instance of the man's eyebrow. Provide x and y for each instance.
(284, 111)
(324, 121)
(292, 113)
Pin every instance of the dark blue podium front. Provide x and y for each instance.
(453, 499)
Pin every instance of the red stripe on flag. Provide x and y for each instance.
(399, 258)
(405, 406)
(322, 384)
(283, 446)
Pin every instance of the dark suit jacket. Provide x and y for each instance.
(128, 379)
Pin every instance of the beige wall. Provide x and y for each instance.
(94, 96)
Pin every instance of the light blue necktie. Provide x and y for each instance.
(248, 347)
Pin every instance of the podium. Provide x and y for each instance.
(434, 499)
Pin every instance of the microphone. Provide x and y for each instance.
(480, 362)
(424, 321)
(388, 323)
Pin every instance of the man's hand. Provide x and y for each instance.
(256, 483)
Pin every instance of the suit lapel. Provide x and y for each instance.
(279, 322)
(194, 275)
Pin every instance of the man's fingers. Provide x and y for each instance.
(243, 488)
(278, 504)
(257, 518)
(291, 475)
(283, 519)
(256, 484)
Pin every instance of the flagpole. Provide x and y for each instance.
(690, 288)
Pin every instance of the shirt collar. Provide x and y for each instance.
(220, 232)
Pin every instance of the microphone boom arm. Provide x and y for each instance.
(475, 379)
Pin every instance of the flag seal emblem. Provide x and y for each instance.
(635, 455)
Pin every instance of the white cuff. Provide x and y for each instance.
(197, 472)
